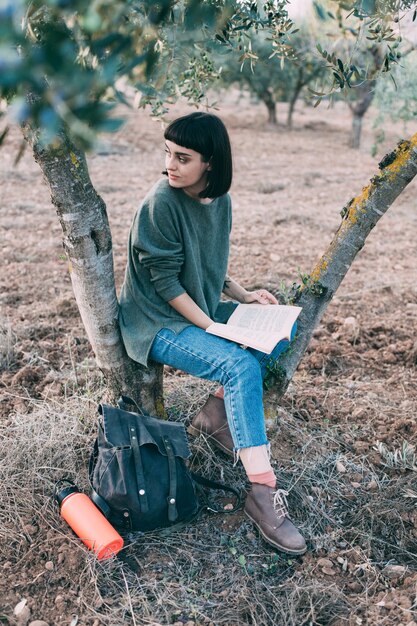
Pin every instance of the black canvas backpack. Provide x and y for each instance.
(138, 471)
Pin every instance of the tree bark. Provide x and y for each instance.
(292, 104)
(358, 219)
(268, 99)
(358, 111)
(356, 131)
(88, 246)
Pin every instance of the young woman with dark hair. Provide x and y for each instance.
(175, 275)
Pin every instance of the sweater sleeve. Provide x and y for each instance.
(159, 247)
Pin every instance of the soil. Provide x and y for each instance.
(343, 435)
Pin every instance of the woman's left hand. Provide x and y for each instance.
(260, 295)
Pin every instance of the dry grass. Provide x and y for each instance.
(216, 570)
(7, 341)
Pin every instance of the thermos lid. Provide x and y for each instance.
(61, 492)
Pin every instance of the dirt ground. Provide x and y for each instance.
(343, 437)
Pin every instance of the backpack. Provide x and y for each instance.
(138, 471)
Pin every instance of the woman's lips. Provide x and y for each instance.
(173, 176)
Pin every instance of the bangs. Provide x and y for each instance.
(187, 133)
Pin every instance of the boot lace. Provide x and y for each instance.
(280, 502)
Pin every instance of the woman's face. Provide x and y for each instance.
(186, 169)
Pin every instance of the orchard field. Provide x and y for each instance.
(343, 437)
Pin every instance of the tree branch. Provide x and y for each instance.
(359, 217)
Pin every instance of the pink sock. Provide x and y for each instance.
(219, 393)
(266, 478)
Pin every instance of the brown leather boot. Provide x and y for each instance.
(211, 421)
(267, 508)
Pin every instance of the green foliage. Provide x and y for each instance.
(359, 42)
(68, 62)
(276, 79)
(396, 98)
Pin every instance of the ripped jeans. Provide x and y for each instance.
(240, 371)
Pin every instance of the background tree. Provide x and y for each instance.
(360, 51)
(396, 97)
(274, 79)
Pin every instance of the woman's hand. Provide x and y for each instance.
(232, 289)
(260, 295)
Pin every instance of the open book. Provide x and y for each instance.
(259, 326)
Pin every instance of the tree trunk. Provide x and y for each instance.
(359, 217)
(359, 109)
(291, 105)
(355, 136)
(88, 246)
(268, 99)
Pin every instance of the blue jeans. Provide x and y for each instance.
(240, 371)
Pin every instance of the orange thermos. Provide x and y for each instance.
(87, 521)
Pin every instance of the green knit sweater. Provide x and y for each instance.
(176, 245)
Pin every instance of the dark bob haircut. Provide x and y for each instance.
(205, 133)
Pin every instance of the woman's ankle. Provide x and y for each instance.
(219, 393)
(265, 478)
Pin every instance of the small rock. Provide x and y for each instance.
(404, 602)
(372, 486)
(328, 571)
(228, 507)
(394, 571)
(21, 612)
(59, 599)
(325, 563)
(38, 622)
(49, 566)
(340, 467)
(390, 605)
(350, 321)
(355, 485)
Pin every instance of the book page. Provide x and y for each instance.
(265, 317)
(258, 339)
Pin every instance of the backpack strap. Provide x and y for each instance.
(211, 484)
(125, 401)
(140, 477)
(100, 503)
(172, 468)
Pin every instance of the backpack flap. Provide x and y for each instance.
(117, 422)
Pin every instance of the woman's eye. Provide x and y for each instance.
(182, 160)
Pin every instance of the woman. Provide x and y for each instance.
(176, 272)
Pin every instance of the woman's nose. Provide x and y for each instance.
(170, 163)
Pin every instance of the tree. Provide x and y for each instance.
(61, 76)
(361, 56)
(273, 80)
(396, 97)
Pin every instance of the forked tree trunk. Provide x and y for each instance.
(88, 246)
(87, 241)
(359, 217)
